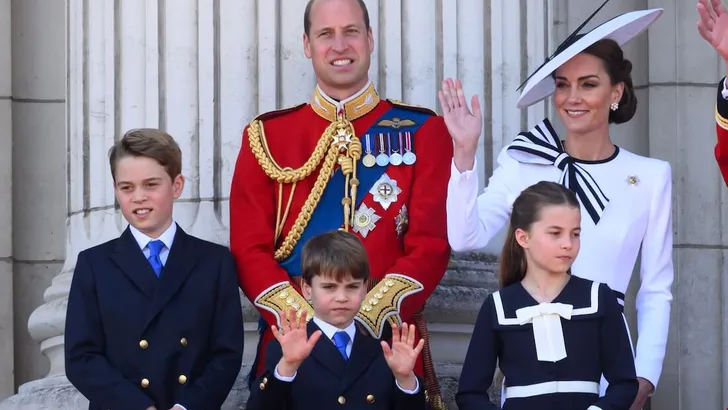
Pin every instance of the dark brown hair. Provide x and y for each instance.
(307, 16)
(527, 210)
(150, 143)
(337, 254)
(620, 71)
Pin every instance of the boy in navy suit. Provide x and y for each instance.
(154, 319)
(329, 362)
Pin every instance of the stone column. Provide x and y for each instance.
(146, 63)
(7, 352)
(684, 72)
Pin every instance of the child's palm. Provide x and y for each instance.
(401, 357)
(293, 337)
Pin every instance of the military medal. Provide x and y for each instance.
(368, 159)
(365, 220)
(382, 158)
(396, 158)
(409, 157)
(385, 191)
(401, 220)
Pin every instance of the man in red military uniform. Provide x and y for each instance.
(345, 160)
(713, 27)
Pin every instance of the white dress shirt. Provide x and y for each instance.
(639, 214)
(328, 330)
(167, 237)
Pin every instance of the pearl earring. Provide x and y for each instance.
(614, 106)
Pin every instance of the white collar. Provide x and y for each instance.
(167, 237)
(329, 330)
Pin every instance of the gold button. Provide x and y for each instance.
(370, 399)
(342, 400)
(145, 383)
(183, 342)
(265, 380)
(262, 386)
(143, 344)
(182, 379)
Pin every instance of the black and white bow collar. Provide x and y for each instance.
(541, 145)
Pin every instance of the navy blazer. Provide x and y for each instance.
(134, 340)
(325, 381)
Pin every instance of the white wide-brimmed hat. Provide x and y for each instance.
(621, 29)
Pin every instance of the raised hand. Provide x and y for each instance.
(463, 125)
(713, 25)
(401, 357)
(294, 340)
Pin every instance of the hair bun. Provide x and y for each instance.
(626, 67)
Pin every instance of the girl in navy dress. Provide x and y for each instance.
(551, 334)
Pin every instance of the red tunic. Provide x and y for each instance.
(721, 127)
(420, 251)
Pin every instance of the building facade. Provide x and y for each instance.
(75, 74)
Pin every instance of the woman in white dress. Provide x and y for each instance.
(626, 199)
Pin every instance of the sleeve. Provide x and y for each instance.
(472, 220)
(226, 344)
(654, 296)
(426, 250)
(86, 366)
(721, 129)
(480, 363)
(270, 393)
(252, 225)
(616, 357)
(407, 400)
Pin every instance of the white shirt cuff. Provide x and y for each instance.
(724, 93)
(181, 406)
(457, 176)
(416, 389)
(283, 378)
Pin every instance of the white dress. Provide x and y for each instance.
(626, 202)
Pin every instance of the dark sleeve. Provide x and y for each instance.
(480, 363)
(226, 344)
(87, 368)
(617, 359)
(269, 393)
(405, 401)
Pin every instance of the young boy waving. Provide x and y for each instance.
(328, 362)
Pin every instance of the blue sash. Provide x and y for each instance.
(329, 213)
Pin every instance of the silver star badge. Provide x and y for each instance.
(365, 220)
(385, 191)
(342, 139)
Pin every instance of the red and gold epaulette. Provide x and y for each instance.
(277, 113)
(418, 108)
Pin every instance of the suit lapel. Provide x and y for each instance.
(363, 352)
(180, 263)
(130, 260)
(326, 353)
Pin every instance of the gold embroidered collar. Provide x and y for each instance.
(352, 108)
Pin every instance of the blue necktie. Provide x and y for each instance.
(341, 339)
(154, 248)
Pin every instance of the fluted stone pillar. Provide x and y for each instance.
(7, 351)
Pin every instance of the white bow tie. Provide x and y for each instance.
(547, 331)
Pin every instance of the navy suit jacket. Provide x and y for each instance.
(134, 340)
(325, 381)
